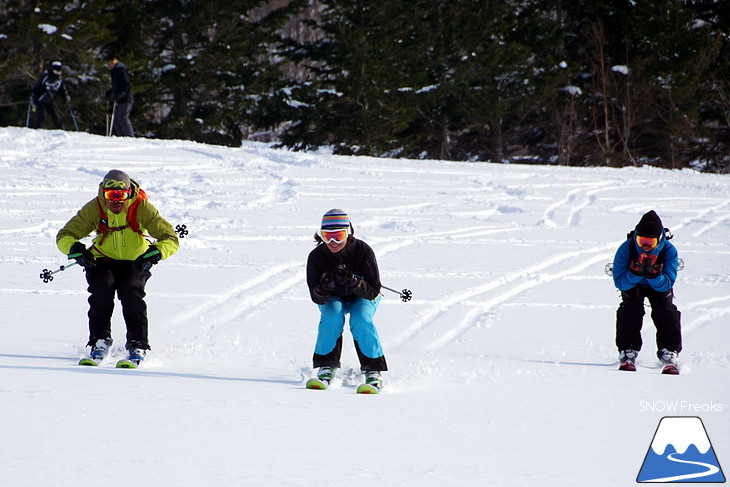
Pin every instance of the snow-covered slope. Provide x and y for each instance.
(502, 364)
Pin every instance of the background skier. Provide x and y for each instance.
(119, 259)
(645, 266)
(343, 278)
(121, 95)
(44, 90)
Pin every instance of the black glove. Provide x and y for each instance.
(653, 271)
(82, 255)
(343, 277)
(327, 283)
(151, 257)
(637, 268)
(108, 94)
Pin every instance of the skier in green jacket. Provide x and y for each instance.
(119, 259)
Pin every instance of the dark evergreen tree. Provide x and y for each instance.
(35, 34)
(413, 79)
(201, 67)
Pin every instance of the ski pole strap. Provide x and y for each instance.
(151, 253)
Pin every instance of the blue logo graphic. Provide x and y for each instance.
(681, 452)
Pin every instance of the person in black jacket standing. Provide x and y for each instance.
(121, 94)
(45, 88)
(343, 278)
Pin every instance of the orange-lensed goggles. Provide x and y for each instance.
(337, 235)
(117, 194)
(650, 242)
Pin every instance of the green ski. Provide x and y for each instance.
(367, 389)
(316, 384)
(126, 364)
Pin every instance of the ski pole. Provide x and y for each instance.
(111, 125)
(405, 294)
(27, 118)
(70, 110)
(47, 274)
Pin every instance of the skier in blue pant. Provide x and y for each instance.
(343, 278)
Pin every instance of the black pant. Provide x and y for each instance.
(124, 278)
(664, 314)
(41, 116)
(332, 359)
(121, 124)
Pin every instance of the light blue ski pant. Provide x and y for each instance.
(332, 324)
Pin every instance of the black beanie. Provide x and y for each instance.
(650, 225)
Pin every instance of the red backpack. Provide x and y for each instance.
(132, 222)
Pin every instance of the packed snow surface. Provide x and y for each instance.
(502, 366)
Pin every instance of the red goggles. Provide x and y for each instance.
(650, 242)
(337, 235)
(117, 194)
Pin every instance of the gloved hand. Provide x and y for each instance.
(637, 268)
(68, 98)
(151, 257)
(343, 277)
(82, 255)
(108, 94)
(653, 271)
(326, 284)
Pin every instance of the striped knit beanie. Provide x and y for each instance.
(335, 218)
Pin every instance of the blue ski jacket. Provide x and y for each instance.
(625, 280)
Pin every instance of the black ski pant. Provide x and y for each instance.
(664, 314)
(125, 279)
(121, 124)
(41, 115)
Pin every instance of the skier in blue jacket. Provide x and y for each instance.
(645, 266)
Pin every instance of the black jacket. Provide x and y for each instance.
(121, 85)
(47, 86)
(358, 257)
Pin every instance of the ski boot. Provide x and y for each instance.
(627, 359)
(99, 351)
(669, 360)
(373, 383)
(324, 377)
(135, 356)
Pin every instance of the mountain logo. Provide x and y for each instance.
(681, 452)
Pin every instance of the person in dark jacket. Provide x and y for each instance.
(45, 89)
(121, 95)
(645, 266)
(343, 278)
